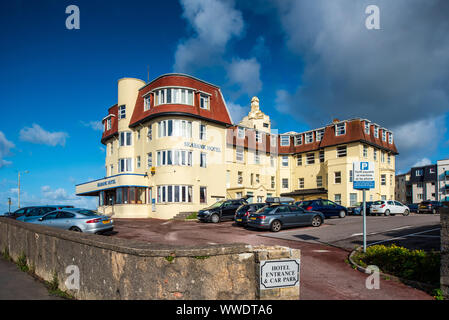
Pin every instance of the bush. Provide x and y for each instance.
(417, 265)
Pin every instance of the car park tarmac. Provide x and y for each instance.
(324, 272)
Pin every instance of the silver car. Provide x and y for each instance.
(76, 219)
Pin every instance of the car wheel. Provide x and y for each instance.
(317, 221)
(76, 229)
(342, 214)
(215, 218)
(387, 213)
(276, 226)
(406, 213)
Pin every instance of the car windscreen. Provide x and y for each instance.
(217, 204)
(378, 203)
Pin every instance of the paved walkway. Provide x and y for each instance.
(18, 285)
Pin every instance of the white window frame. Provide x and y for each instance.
(340, 129)
(122, 111)
(339, 177)
(300, 183)
(125, 138)
(308, 137)
(298, 139)
(319, 134)
(203, 132)
(204, 101)
(284, 161)
(299, 160)
(240, 132)
(146, 103)
(203, 160)
(376, 132)
(310, 158)
(125, 165)
(239, 154)
(342, 151)
(285, 140)
(367, 127)
(283, 184)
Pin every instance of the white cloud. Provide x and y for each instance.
(422, 162)
(94, 125)
(5, 150)
(36, 134)
(214, 23)
(388, 75)
(416, 141)
(237, 111)
(246, 74)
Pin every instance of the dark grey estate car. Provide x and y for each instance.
(276, 217)
(243, 212)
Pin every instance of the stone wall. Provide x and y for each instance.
(444, 271)
(113, 268)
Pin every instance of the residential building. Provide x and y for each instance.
(172, 148)
(403, 188)
(443, 180)
(423, 181)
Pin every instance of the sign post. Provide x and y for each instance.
(364, 179)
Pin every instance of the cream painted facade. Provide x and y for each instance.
(141, 182)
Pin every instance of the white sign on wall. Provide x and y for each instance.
(279, 273)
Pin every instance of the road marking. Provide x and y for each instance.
(320, 251)
(166, 222)
(403, 236)
(405, 227)
(356, 234)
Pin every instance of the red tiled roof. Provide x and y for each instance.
(217, 111)
(354, 132)
(114, 124)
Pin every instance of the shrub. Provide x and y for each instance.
(417, 265)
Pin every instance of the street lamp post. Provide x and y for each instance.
(18, 190)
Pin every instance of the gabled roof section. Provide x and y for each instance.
(216, 113)
(113, 113)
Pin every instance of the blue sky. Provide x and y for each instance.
(307, 61)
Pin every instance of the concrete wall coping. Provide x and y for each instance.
(133, 247)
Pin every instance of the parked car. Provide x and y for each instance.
(39, 211)
(389, 207)
(243, 212)
(76, 219)
(326, 207)
(429, 207)
(277, 216)
(357, 209)
(413, 207)
(220, 210)
(18, 213)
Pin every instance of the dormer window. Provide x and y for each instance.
(384, 135)
(146, 103)
(108, 124)
(390, 138)
(285, 141)
(319, 134)
(204, 101)
(298, 139)
(376, 131)
(367, 127)
(309, 137)
(240, 133)
(173, 96)
(340, 129)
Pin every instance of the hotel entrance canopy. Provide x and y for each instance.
(94, 187)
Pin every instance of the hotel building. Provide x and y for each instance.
(172, 149)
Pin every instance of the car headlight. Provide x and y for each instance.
(206, 212)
